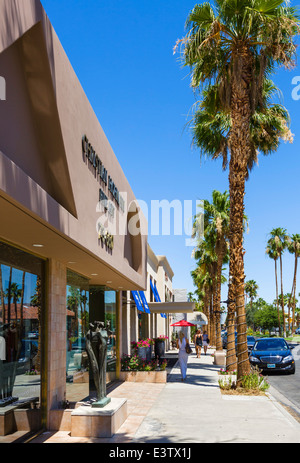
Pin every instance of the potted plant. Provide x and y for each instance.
(143, 348)
(159, 346)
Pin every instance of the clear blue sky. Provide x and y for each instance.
(122, 53)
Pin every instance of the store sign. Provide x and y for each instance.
(102, 175)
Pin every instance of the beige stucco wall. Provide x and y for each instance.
(49, 112)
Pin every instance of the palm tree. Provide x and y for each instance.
(251, 288)
(16, 294)
(22, 300)
(278, 242)
(294, 248)
(273, 254)
(203, 277)
(235, 44)
(36, 301)
(216, 231)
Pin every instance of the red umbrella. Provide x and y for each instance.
(183, 323)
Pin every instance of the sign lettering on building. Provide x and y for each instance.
(101, 173)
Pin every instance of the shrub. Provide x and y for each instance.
(254, 381)
(134, 363)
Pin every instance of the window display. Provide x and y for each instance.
(77, 325)
(21, 326)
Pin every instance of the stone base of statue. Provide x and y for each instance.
(89, 421)
(101, 403)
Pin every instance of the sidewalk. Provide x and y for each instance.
(194, 411)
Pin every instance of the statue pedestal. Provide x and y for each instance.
(101, 403)
(87, 421)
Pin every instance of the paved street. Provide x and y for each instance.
(286, 387)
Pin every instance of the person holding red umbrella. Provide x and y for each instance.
(182, 355)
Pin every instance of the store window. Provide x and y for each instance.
(103, 309)
(87, 304)
(21, 326)
(77, 313)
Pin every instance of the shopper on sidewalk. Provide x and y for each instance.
(205, 341)
(198, 343)
(182, 354)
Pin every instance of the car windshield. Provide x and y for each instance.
(271, 344)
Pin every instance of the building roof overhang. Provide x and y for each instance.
(172, 307)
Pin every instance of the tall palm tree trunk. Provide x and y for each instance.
(282, 299)
(9, 295)
(231, 364)
(294, 298)
(22, 302)
(217, 299)
(206, 308)
(240, 147)
(212, 321)
(276, 284)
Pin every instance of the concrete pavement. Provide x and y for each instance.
(194, 411)
(197, 412)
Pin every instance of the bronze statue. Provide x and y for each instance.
(96, 347)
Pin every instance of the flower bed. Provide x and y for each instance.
(135, 363)
(144, 376)
(135, 369)
(253, 383)
(227, 379)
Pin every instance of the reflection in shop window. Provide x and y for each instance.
(110, 315)
(21, 310)
(77, 375)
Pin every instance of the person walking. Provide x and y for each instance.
(205, 341)
(198, 342)
(182, 355)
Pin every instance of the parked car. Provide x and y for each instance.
(250, 341)
(273, 354)
(297, 331)
(224, 340)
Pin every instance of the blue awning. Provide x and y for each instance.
(144, 301)
(137, 300)
(156, 296)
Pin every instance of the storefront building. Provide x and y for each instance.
(139, 321)
(66, 253)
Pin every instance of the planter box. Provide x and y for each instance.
(144, 376)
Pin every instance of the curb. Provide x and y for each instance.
(287, 407)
